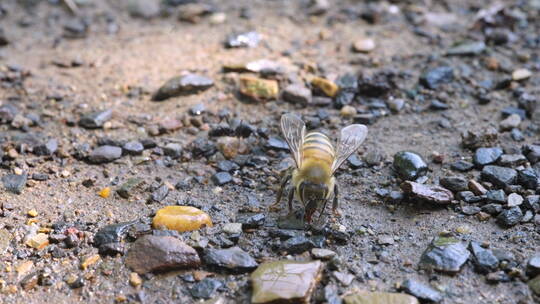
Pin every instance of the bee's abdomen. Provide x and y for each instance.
(318, 146)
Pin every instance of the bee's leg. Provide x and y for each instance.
(321, 212)
(335, 203)
(291, 197)
(284, 180)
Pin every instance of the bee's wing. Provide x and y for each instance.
(294, 129)
(349, 141)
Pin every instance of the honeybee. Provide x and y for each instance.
(316, 161)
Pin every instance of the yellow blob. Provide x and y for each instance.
(105, 192)
(181, 218)
(32, 213)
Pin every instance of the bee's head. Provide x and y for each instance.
(312, 194)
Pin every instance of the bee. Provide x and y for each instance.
(316, 161)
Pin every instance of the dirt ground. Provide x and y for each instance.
(124, 59)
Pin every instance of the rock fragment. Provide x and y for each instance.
(430, 193)
(105, 154)
(433, 78)
(183, 85)
(409, 165)
(258, 89)
(233, 259)
(445, 254)
(421, 291)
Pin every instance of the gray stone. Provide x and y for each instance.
(514, 200)
(221, 178)
(483, 259)
(14, 183)
(145, 9)
(433, 78)
(487, 156)
(528, 178)
(297, 94)
(430, 193)
(47, 148)
(251, 220)
(454, 183)
(409, 165)
(467, 49)
(105, 154)
(233, 259)
(445, 254)
(512, 160)
(174, 150)
(183, 85)
(496, 196)
(95, 120)
(499, 176)
(422, 291)
(510, 217)
(133, 148)
(206, 288)
(248, 39)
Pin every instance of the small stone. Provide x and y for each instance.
(493, 209)
(297, 94)
(275, 143)
(534, 285)
(193, 12)
(95, 120)
(366, 297)
(329, 88)
(467, 49)
(174, 150)
(533, 266)
(298, 244)
(48, 148)
(322, 254)
(483, 259)
(347, 111)
(127, 188)
(496, 196)
(145, 9)
(396, 105)
(409, 165)
(221, 178)
(438, 105)
(206, 288)
(454, 183)
(248, 39)
(5, 238)
(476, 187)
(159, 194)
(510, 217)
(38, 241)
(430, 193)
(105, 154)
(181, 218)
(133, 148)
(499, 176)
(251, 220)
(470, 210)
(445, 254)
(521, 74)
(343, 277)
(14, 183)
(135, 279)
(421, 291)
(233, 228)
(510, 122)
(497, 277)
(160, 253)
(477, 139)
(532, 152)
(512, 160)
(433, 78)
(233, 259)
(258, 89)
(32, 213)
(514, 200)
(487, 156)
(364, 45)
(297, 281)
(528, 178)
(183, 85)
(105, 192)
(462, 166)
(89, 261)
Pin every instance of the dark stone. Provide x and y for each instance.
(355, 162)
(126, 188)
(437, 76)
(467, 49)
(227, 166)
(3, 38)
(14, 183)
(483, 259)
(528, 178)
(496, 196)
(438, 105)
(377, 85)
(243, 129)
(95, 120)
(104, 154)
(160, 253)
(222, 129)
(297, 94)
(183, 85)
(487, 156)
(499, 176)
(277, 144)
(233, 259)
(248, 39)
(297, 244)
(7, 113)
(513, 110)
(365, 118)
(462, 166)
(251, 220)
(454, 183)
(532, 152)
(159, 194)
(206, 288)
(174, 150)
(445, 254)
(47, 148)
(492, 209)
(409, 165)
(221, 178)
(343, 98)
(112, 233)
(510, 217)
(40, 176)
(422, 291)
(468, 197)
(470, 210)
(133, 148)
(532, 202)
(533, 266)
(430, 193)
(512, 160)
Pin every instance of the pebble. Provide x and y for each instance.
(533, 266)
(38, 241)
(396, 105)
(48, 148)
(366, 297)
(476, 187)
(95, 120)
(297, 94)
(159, 194)
(499, 176)
(421, 291)
(492, 208)
(454, 183)
(322, 254)
(133, 148)
(521, 74)
(181, 218)
(462, 166)
(206, 288)
(409, 165)
(174, 150)
(277, 144)
(532, 152)
(251, 220)
(514, 200)
(109, 236)
(135, 280)
(233, 259)
(297, 281)
(344, 278)
(512, 160)
(247, 39)
(476, 139)
(298, 244)
(534, 285)
(510, 122)
(347, 111)
(510, 217)
(258, 89)
(127, 188)
(433, 78)
(430, 193)
(15, 183)
(445, 254)
(192, 12)
(145, 9)
(438, 105)
(470, 210)
(329, 88)
(104, 154)
(221, 178)
(487, 156)
(89, 261)
(232, 228)
(528, 178)
(105, 192)
(467, 49)
(496, 196)
(5, 238)
(483, 259)
(160, 253)
(364, 45)
(183, 85)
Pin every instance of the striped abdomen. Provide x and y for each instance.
(317, 148)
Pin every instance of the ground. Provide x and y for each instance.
(121, 68)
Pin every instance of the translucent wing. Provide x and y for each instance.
(349, 141)
(293, 129)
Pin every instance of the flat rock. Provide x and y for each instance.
(445, 254)
(160, 253)
(247, 39)
(258, 89)
(421, 291)
(433, 78)
(183, 85)
(454, 183)
(512, 160)
(206, 288)
(467, 49)
(409, 165)
(233, 259)
(534, 285)
(379, 298)
(95, 120)
(487, 156)
(251, 220)
(285, 281)
(104, 154)
(528, 178)
(431, 193)
(510, 122)
(462, 166)
(5, 238)
(510, 217)
(533, 265)
(499, 176)
(14, 183)
(514, 200)
(483, 259)
(297, 94)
